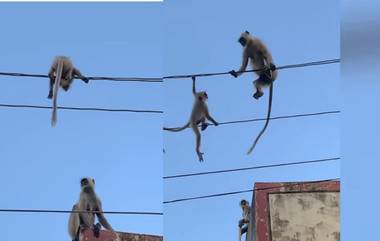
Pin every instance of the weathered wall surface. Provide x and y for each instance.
(307, 216)
(296, 211)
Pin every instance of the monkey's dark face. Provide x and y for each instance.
(202, 96)
(84, 182)
(243, 203)
(242, 41)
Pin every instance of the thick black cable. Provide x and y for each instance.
(252, 168)
(160, 79)
(121, 79)
(276, 118)
(321, 62)
(245, 191)
(79, 108)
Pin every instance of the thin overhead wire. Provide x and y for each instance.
(245, 191)
(120, 79)
(79, 108)
(71, 211)
(321, 62)
(160, 79)
(252, 168)
(276, 118)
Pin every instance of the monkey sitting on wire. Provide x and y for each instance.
(244, 222)
(62, 73)
(262, 63)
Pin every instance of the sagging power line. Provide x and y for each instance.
(276, 118)
(79, 108)
(290, 66)
(244, 191)
(67, 211)
(120, 79)
(252, 168)
(160, 79)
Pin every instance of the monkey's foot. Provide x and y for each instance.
(258, 94)
(50, 95)
(204, 126)
(272, 67)
(97, 228)
(200, 156)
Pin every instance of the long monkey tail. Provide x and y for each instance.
(266, 122)
(55, 91)
(176, 129)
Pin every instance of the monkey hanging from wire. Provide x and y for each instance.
(263, 65)
(62, 73)
(199, 115)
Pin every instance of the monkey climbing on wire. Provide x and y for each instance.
(263, 65)
(243, 223)
(62, 73)
(199, 115)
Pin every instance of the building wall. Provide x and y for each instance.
(309, 216)
(301, 211)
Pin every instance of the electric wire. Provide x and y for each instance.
(290, 66)
(246, 191)
(79, 108)
(120, 79)
(251, 168)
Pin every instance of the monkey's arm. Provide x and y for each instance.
(244, 64)
(102, 219)
(78, 74)
(194, 90)
(209, 117)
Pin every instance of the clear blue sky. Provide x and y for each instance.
(201, 36)
(41, 166)
(360, 120)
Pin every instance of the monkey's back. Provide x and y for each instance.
(257, 51)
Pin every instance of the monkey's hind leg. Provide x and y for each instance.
(97, 228)
(259, 92)
(239, 234)
(198, 141)
(77, 235)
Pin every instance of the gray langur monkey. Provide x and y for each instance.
(69, 72)
(262, 62)
(198, 116)
(88, 201)
(62, 73)
(243, 223)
